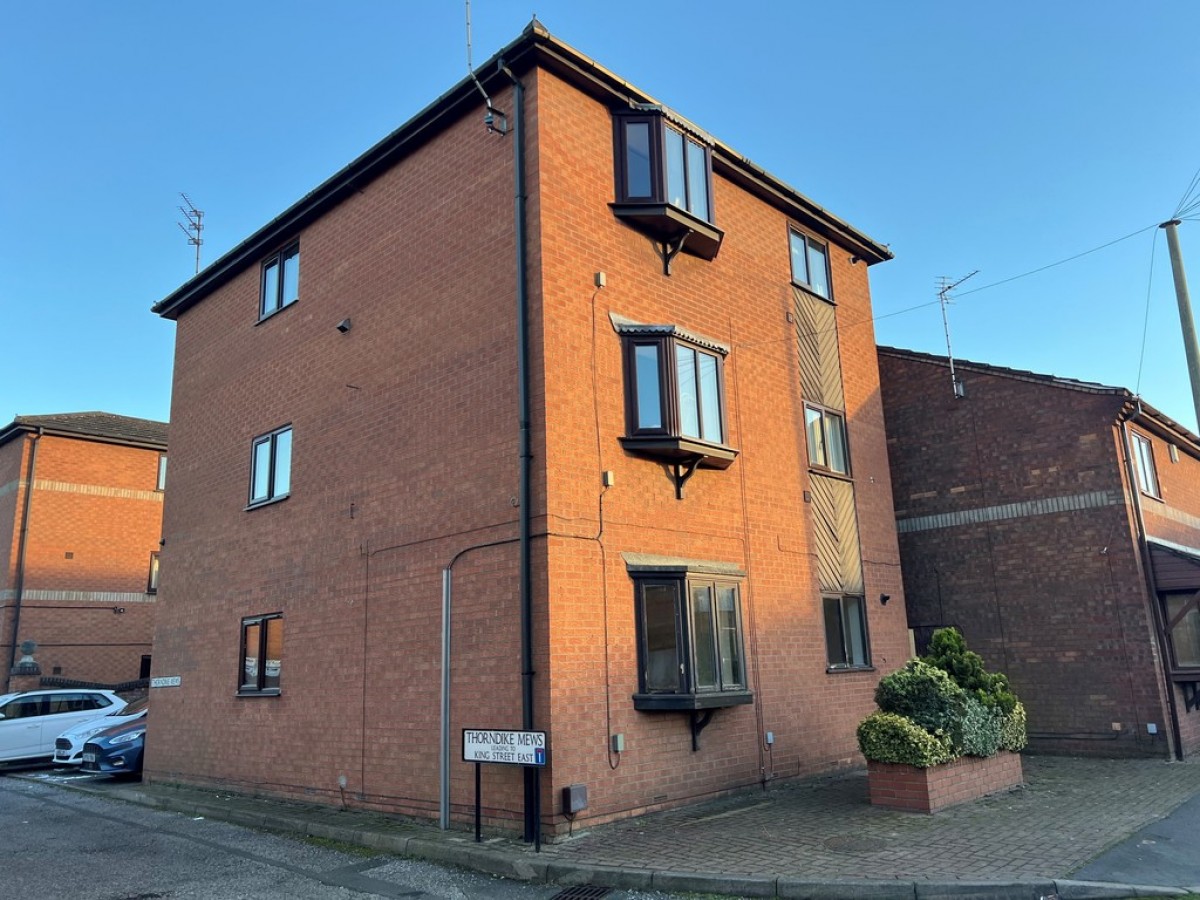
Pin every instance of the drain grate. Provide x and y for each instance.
(582, 892)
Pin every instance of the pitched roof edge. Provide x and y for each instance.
(54, 426)
(557, 56)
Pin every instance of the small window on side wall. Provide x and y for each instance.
(810, 263)
(152, 579)
(271, 466)
(846, 632)
(161, 483)
(1147, 475)
(280, 284)
(261, 655)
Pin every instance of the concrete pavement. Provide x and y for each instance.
(816, 839)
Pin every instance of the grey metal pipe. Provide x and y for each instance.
(1186, 323)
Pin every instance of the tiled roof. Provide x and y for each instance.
(98, 425)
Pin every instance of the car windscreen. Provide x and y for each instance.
(137, 706)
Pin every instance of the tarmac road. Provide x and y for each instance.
(1165, 852)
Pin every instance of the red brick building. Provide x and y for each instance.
(80, 521)
(645, 557)
(1057, 524)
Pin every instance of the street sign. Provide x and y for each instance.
(515, 748)
(166, 681)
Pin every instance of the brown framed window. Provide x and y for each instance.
(152, 578)
(810, 263)
(846, 641)
(261, 655)
(659, 162)
(826, 434)
(280, 283)
(690, 646)
(1183, 627)
(271, 466)
(161, 481)
(1147, 474)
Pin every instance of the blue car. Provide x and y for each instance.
(117, 750)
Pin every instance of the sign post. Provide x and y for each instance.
(513, 748)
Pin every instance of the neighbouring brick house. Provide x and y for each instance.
(1057, 524)
(80, 521)
(702, 585)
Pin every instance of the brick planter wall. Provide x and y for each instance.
(928, 790)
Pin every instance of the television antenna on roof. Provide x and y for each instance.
(194, 226)
(944, 298)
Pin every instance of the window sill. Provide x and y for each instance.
(807, 288)
(1150, 496)
(665, 222)
(269, 692)
(259, 504)
(669, 702)
(276, 312)
(830, 473)
(712, 456)
(841, 670)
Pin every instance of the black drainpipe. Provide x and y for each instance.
(20, 579)
(533, 782)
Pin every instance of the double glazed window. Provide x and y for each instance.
(262, 654)
(690, 642)
(677, 390)
(810, 264)
(271, 466)
(826, 432)
(280, 281)
(152, 579)
(1147, 475)
(1183, 625)
(160, 483)
(658, 163)
(846, 632)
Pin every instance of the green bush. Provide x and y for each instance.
(887, 737)
(948, 652)
(924, 694)
(1012, 729)
(980, 729)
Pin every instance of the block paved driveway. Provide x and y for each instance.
(1070, 811)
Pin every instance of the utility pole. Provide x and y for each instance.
(1187, 326)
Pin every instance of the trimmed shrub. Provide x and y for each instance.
(1012, 729)
(980, 729)
(924, 694)
(890, 738)
(948, 652)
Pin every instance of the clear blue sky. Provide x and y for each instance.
(997, 137)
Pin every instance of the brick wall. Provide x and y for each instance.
(937, 787)
(405, 456)
(1035, 558)
(94, 520)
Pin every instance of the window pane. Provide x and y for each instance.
(856, 636)
(689, 401)
(710, 400)
(704, 644)
(250, 636)
(799, 258)
(728, 639)
(637, 159)
(260, 483)
(291, 278)
(649, 391)
(836, 432)
(697, 180)
(270, 289)
(152, 584)
(816, 436)
(835, 644)
(1185, 636)
(662, 648)
(676, 185)
(283, 464)
(818, 271)
(1147, 476)
(274, 653)
(161, 484)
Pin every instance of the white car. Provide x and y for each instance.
(68, 747)
(30, 721)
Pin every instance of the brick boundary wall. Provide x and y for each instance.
(968, 778)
